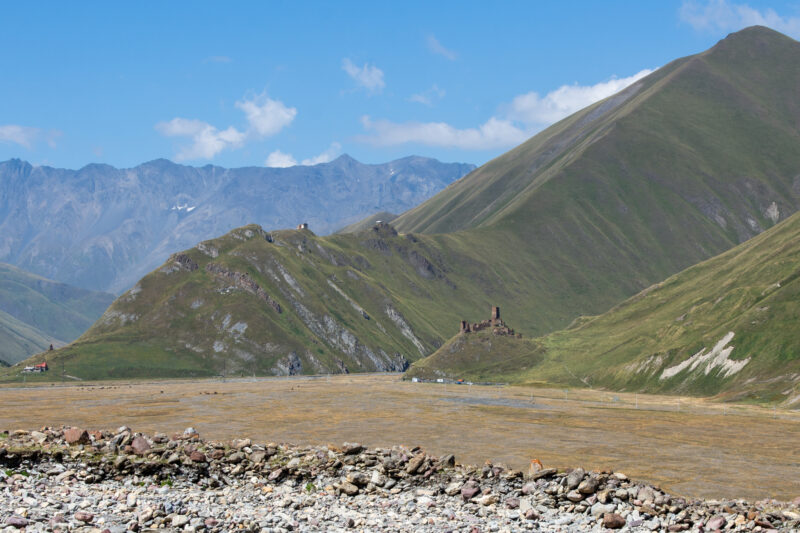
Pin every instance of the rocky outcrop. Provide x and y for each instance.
(243, 281)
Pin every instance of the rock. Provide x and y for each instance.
(140, 446)
(38, 437)
(241, 443)
(415, 463)
(646, 495)
(348, 488)
(588, 485)
(531, 514)
(545, 473)
(678, 527)
(574, 496)
(488, 499)
(613, 521)
(599, 509)
(83, 516)
(358, 479)
(179, 520)
(377, 479)
(453, 488)
(469, 490)
(448, 460)
(197, 457)
(574, 478)
(528, 488)
(512, 503)
(238, 457)
(76, 436)
(352, 448)
(717, 522)
(258, 457)
(16, 521)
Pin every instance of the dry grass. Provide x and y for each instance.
(690, 446)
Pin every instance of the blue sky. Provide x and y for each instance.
(277, 83)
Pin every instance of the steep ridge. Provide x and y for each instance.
(283, 303)
(36, 312)
(103, 228)
(726, 326)
(684, 164)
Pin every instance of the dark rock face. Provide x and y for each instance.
(119, 224)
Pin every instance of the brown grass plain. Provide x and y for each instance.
(691, 447)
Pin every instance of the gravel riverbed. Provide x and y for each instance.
(70, 479)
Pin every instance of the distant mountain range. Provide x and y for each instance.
(683, 165)
(36, 312)
(103, 228)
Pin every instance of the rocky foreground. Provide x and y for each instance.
(70, 479)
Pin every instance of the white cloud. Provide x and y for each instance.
(207, 141)
(721, 15)
(279, 159)
(532, 109)
(266, 116)
(282, 160)
(27, 136)
(437, 48)
(327, 156)
(428, 97)
(21, 135)
(519, 120)
(495, 133)
(369, 76)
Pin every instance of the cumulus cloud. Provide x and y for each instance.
(207, 141)
(524, 116)
(21, 135)
(533, 109)
(722, 15)
(265, 117)
(437, 48)
(27, 136)
(428, 97)
(279, 159)
(494, 133)
(282, 160)
(368, 76)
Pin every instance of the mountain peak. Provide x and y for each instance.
(752, 42)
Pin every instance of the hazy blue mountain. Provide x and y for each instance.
(103, 228)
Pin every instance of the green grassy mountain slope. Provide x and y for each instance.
(726, 326)
(36, 312)
(686, 163)
(286, 302)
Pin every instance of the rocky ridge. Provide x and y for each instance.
(70, 479)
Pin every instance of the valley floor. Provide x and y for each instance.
(688, 446)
